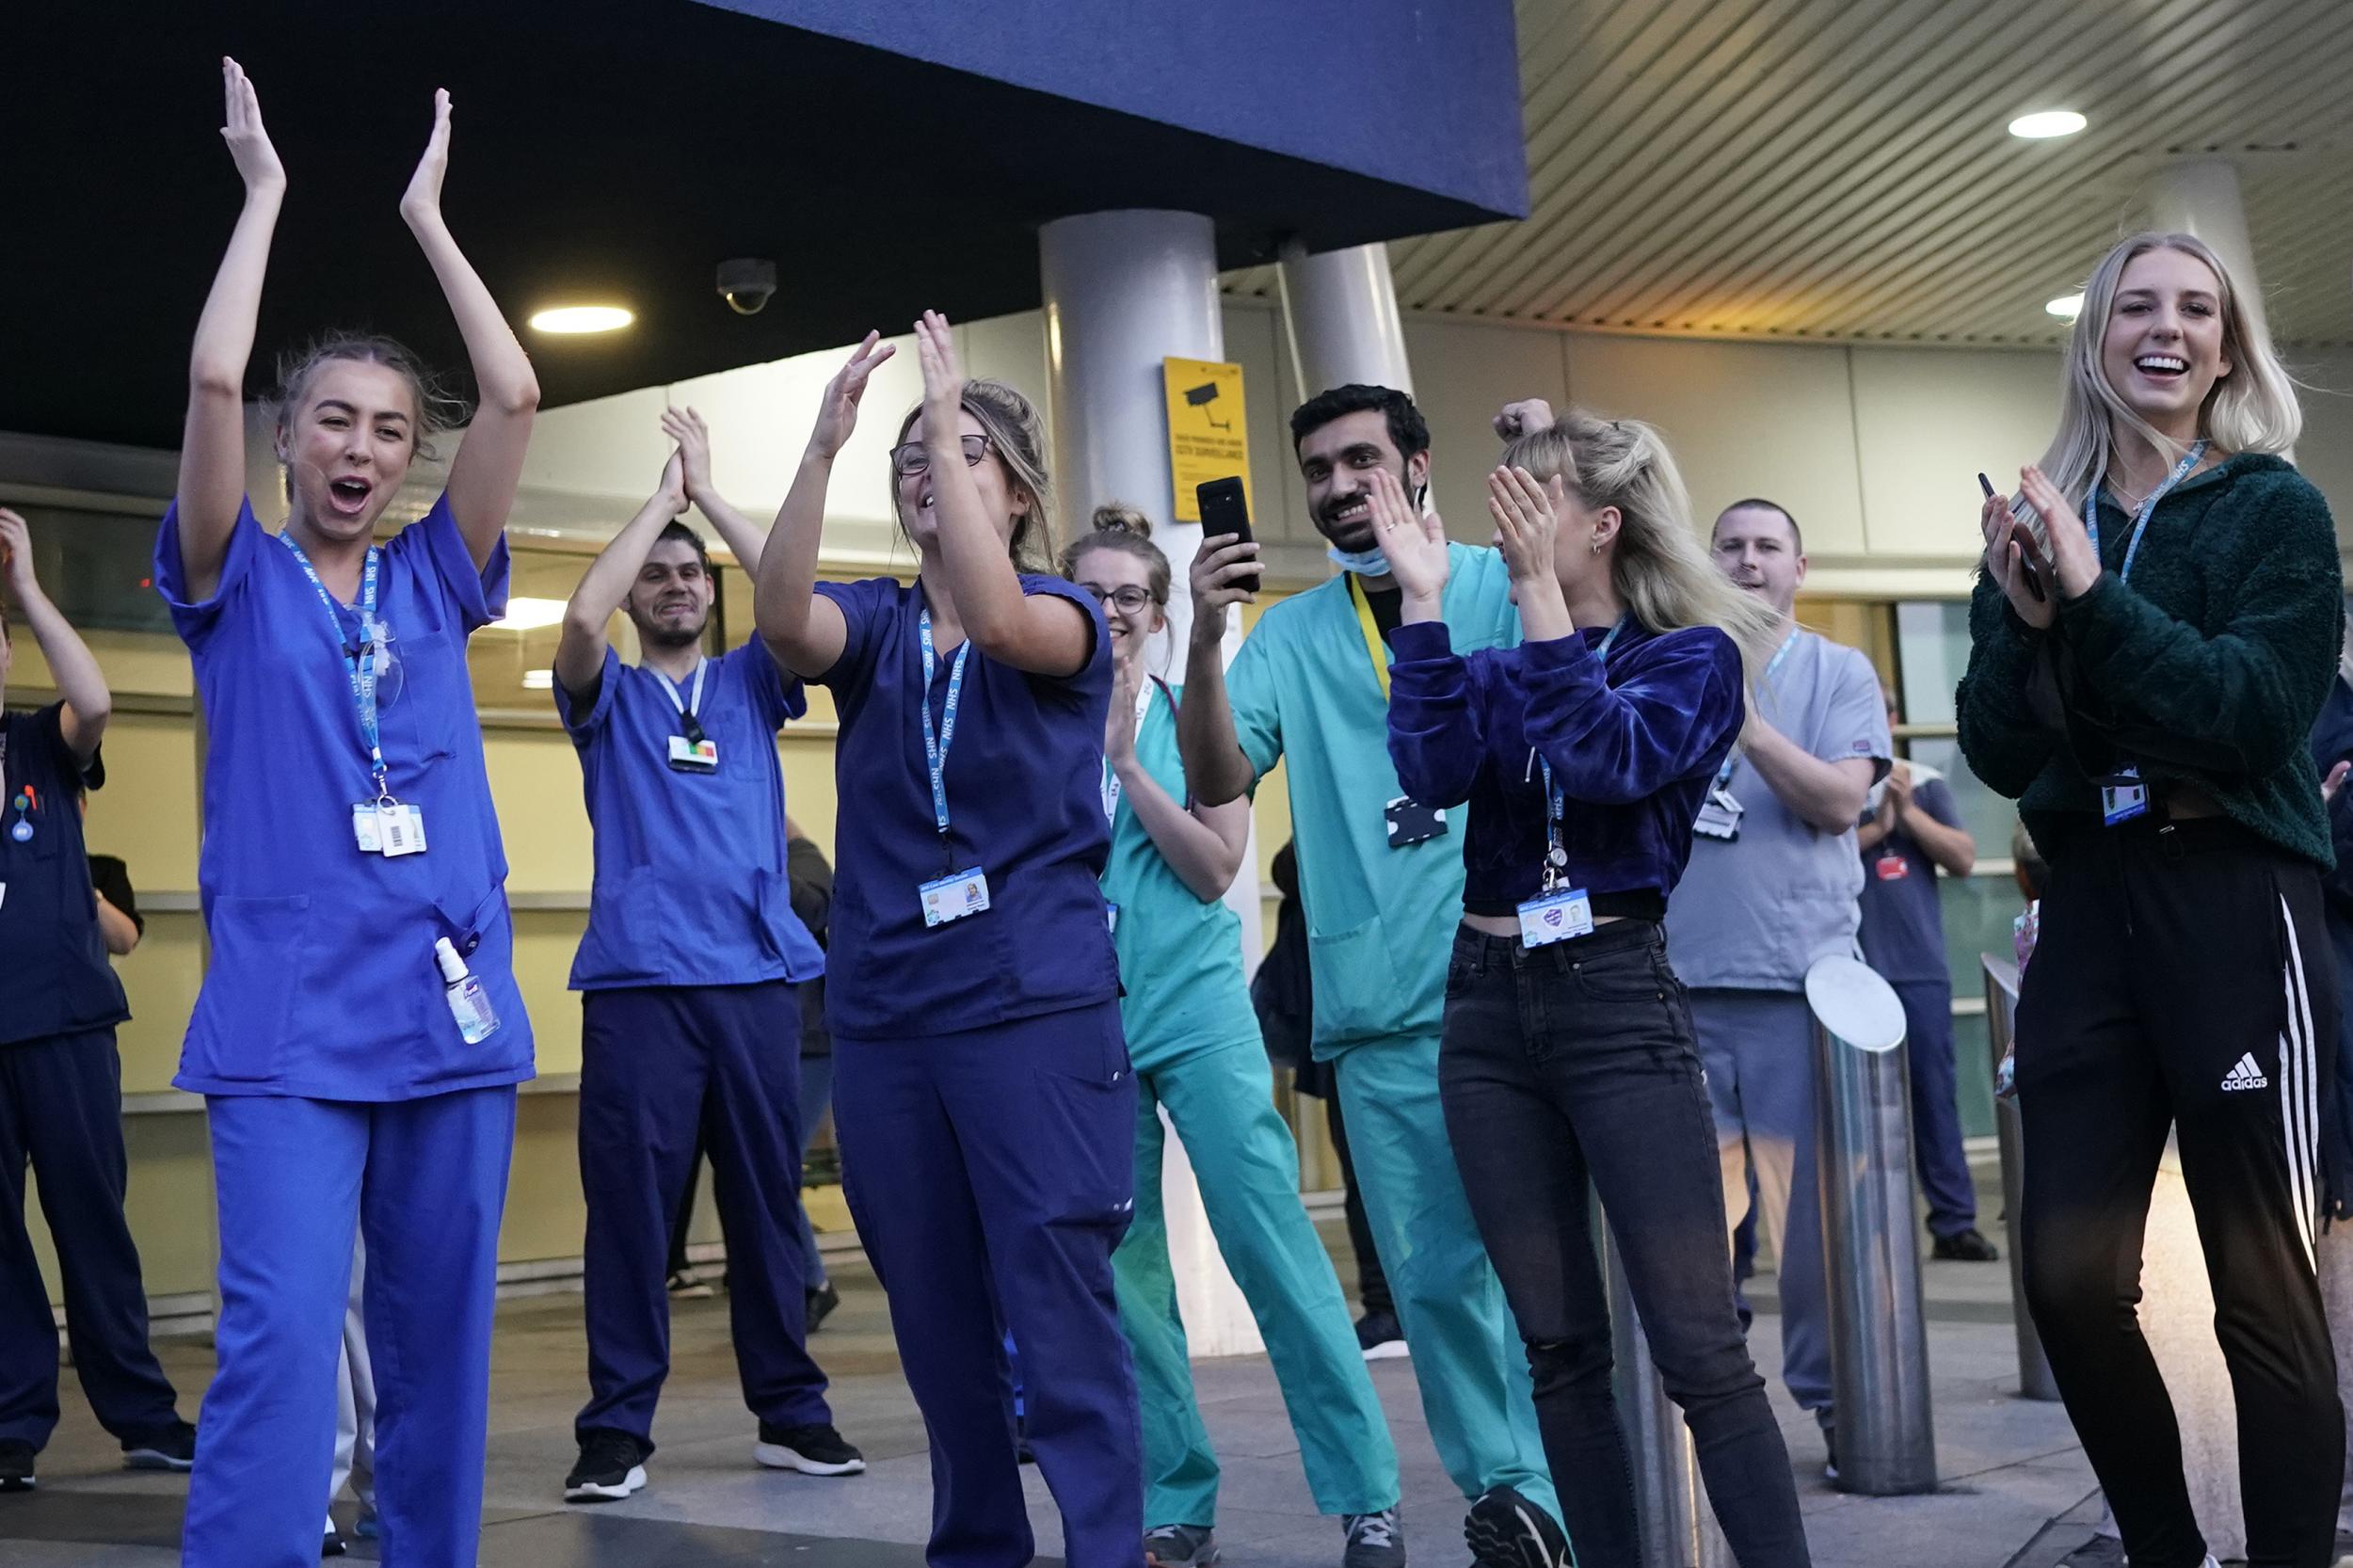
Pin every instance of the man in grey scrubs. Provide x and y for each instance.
(1772, 886)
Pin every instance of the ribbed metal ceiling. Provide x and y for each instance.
(1840, 168)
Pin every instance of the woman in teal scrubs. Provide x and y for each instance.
(1194, 1039)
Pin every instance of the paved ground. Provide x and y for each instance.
(2011, 1465)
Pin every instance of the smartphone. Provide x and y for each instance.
(1224, 509)
(2026, 557)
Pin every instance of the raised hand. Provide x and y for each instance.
(16, 556)
(1523, 418)
(836, 411)
(422, 199)
(943, 380)
(2073, 561)
(1526, 513)
(1225, 571)
(686, 427)
(249, 143)
(673, 492)
(1414, 540)
(1119, 725)
(2008, 546)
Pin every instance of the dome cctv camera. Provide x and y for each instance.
(746, 283)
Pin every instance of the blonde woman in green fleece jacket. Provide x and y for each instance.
(2154, 635)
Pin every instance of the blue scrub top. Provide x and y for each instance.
(1179, 957)
(55, 976)
(691, 886)
(322, 982)
(1025, 803)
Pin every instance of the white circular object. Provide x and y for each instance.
(1851, 999)
(2066, 307)
(582, 318)
(2045, 124)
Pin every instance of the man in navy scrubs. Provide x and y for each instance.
(60, 1081)
(689, 1017)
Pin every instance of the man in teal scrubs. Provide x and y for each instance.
(1382, 879)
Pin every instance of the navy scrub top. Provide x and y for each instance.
(1024, 783)
(691, 885)
(54, 978)
(322, 983)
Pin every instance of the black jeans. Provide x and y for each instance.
(1569, 1071)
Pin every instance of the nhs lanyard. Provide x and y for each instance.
(688, 706)
(936, 742)
(360, 666)
(1732, 758)
(2148, 508)
(1556, 848)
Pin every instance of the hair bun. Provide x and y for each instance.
(1117, 517)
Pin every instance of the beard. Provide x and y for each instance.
(655, 633)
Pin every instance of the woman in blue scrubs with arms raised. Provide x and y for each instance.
(983, 1097)
(359, 1036)
(1199, 1053)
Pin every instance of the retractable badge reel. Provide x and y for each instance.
(1559, 911)
(691, 749)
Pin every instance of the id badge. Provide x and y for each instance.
(1110, 916)
(1412, 822)
(694, 755)
(955, 896)
(400, 830)
(2123, 797)
(1719, 817)
(1892, 868)
(364, 830)
(1555, 918)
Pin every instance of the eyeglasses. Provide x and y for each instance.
(914, 457)
(1129, 597)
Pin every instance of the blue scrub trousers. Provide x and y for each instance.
(993, 1170)
(1476, 1390)
(816, 1099)
(661, 1066)
(1936, 1148)
(426, 1181)
(61, 1110)
(1758, 1049)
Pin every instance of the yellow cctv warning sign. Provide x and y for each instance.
(1207, 437)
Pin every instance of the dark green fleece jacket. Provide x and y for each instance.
(2224, 643)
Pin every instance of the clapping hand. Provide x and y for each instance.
(16, 556)
(2009, 546)
(686, 427)
(2075, 564)
(836, 411)
(249, 144)
(421, 201)
(1528, 521)
(1414, 540)
(943, 382)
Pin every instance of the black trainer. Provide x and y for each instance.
(333, 1545)
(1966, 1247)
(16, 1464)
(173, 1449)
(815, 1449)
(612, 1466)
(1379, 1337)
(1506, 1531)
(822, 1301)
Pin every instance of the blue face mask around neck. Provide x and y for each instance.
(1364, 562)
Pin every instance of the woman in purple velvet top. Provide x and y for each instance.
(1567, 1066)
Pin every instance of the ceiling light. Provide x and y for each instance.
(2066, 307)
(530, 615)
(582, 318)
(2045, 124)
(539, 680)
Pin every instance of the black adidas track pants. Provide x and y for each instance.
(2184, 981)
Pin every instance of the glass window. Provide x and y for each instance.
(1932, 650)
(1988, 817)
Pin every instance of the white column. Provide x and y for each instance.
(2200, 196)
(1339, 309)
(1125, 289)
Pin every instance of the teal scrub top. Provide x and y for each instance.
(1179, 958)
(1380, 920)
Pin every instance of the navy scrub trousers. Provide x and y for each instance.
(661, 1066)
(993, 1169)
(61, 1111)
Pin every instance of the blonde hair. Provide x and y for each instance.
(1119, 526)
(1658, 566)
(2253, 408)
(1017, 436)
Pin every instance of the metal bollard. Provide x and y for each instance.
(1878, 1339)
(2001, 1018)
(1679, 1525)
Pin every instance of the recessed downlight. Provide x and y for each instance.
(2066, 307)
(2045, 124)
(571, 319)
(525, 614)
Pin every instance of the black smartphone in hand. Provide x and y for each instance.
(1225, 509)
(2026, 557)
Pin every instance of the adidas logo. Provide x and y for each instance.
(2246, 1075)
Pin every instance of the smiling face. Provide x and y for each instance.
(346, 441)
(670, 602)
(1337, 461)
(2163, 349)
(1113, 576)
(1005, 502)
(1757, 548)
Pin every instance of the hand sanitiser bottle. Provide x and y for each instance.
(469, 1003)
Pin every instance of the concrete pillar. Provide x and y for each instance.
(1339, 309)
(1123, 291)
(2200, 196)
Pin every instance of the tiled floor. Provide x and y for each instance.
(2011, 1465)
